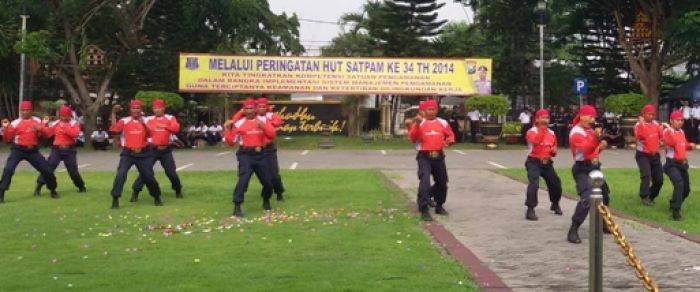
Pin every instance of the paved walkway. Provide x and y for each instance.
(487, 216)
(225, 159)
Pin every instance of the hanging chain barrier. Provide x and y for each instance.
(627, 249)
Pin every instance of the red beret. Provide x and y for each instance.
(542, 113)
(135, 103)
(158, 103)
(65, 111)
(677, 115)
(249, 103)
(430, 103)
(648, 109)
(26, 105)
(261, 101)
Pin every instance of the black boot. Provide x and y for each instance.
(440, 210)
(237, 210)
(115, 203)
(530, 214)
(573, 233)
(432, 203)
(82, 189)
(266, 205)
(425, 214)
(677, 215)
(556, 209)
(646, 201)
(54, 194)
(134, 196)
(37, 190)
(2, 197)
(157, 201)
(280, 198)
(178, 194)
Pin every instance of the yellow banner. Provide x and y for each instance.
(268, 74)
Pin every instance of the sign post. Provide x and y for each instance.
(580, 88)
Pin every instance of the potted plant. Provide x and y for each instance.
(511, 132)
(628, 106)
(495, 106)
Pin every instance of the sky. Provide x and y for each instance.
(318, 18)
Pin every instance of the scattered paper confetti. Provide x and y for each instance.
(196, 260)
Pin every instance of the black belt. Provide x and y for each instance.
(134, 150)
(540, 160)
(25, 148)
(594, 162)
(63, 147)
(257, 149)
(161, 148)
(433, 154)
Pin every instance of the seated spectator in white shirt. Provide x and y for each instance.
(100, 139)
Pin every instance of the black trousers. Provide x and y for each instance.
(436, 167)
(274, 166)
(473, 128)
(144, 165)
(678, 174)
(580, 171)
(167, 161)
(650, 171)
(535, 170)
(34, 157)
(68, 156)
(250, 162)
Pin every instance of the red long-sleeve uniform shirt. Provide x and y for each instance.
(271, 118)
(585, 145)
(22, 132)
(161, 128)
(541, 142)
(649, 136)
(676, 145)
(431, 135)
(134, 134)
(247, 133)
(64, 133)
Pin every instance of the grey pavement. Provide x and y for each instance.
(224, 159)
(488, 216)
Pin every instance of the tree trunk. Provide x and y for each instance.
(90, 125)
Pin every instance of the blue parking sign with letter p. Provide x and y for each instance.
(581, 86)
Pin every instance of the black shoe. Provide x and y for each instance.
(237, 210)
(54, 194)
(646, 201)
(134, 197)
(573, 234)
(556, 209)
(425, 214)
(280, 198)
(677, 215)
(157, 201)
(115, 203)
(440, 210)
(266, 205)
(37, 191)
(432, 203)
(530, 214)
(82, 190)
(178, 194)
(2, 197)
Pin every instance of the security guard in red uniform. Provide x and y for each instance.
(161, 126)
(431, 135)
(266, 114)
(542, 146)
(585, 146)
(65, 132)
(648, 133)
(134, 140)
(676, 166)
(25, 132)
(250, 133)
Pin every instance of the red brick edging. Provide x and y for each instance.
(484, 277)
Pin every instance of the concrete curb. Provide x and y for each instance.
(485, 278)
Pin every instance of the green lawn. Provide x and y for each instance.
(624, 196)
(338, 230)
